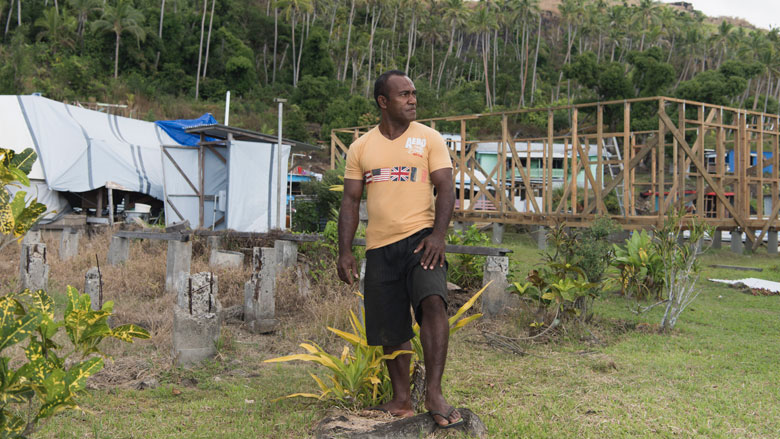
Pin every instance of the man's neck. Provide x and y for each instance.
(392, 129)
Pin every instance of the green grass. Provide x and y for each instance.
(716, 375)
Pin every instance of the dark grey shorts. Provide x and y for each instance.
(394, 281)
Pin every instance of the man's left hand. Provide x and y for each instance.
(432, 247)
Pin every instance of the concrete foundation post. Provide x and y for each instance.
(214, 242)
(540, 235)
(498, 233)
(286, 253)
(771, 243)
(496, 299)
(736, 241)
(32, 237)
(69, 244)
(196, 321)
(92, 286)
(118, 250)
(226, 258)
(33, 269)
(717, 239)
(259, 295)
(177, 264)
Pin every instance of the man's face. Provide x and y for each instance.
(401, 100)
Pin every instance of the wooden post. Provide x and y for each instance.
(462, 164)
(110, 207)
(699, 177)
(661, 146)
(201, 180)
(501, 183)
(720, 163)
(760, 170)
(599, 157)
(99, 210)
(626, 153)
(550, 133)
(575, 170)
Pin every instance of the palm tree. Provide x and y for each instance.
(483, 23)
(82, 9)
(456, 15)
(119, 19)
(56, 28)
(292, 8)
(645, 15)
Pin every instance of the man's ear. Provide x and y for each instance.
(382, 101)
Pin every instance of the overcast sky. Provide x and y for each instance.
(761, 13)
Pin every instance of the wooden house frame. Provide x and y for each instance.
(672, 149)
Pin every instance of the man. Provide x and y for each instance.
(400, 162)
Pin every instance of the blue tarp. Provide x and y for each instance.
(175, 128)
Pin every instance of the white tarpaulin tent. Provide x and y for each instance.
(80, 150)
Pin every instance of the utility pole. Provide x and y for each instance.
(280, 207)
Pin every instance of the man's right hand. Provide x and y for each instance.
(347, 268)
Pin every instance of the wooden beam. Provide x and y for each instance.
(172, 236)
(216, 153)
(178, 168)
(718, 190)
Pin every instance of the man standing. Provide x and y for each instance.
(400, 162)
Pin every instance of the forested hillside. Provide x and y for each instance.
(177, 58)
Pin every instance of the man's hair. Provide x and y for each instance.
(381, 83)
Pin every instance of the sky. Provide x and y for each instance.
(760, 13)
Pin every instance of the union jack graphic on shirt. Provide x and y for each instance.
(395, 173)
(400, 173)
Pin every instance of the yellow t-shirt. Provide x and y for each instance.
(396, 174)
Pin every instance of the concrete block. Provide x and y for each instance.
(771, 243)
(196, 319)
(286, 253)
(736, 241)
(214, 242)
(717, 239)
(33, 267)
(257, 259)
(540, 236)
(498, 233)
(177, 264)
(259, 295)
(93, 287)
(118, 250)
(69, 244)
(32, 237)
(496, 299)
(225, 258)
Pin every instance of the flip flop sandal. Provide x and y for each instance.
(451, 424)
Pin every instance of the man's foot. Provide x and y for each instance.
(443, 414)
(395, 408)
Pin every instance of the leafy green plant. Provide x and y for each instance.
(640, 266)
(16, 214)
(49, 382)
(466, 270)
(358, 377)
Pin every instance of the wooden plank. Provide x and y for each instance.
(529, 192)
(170, 203)
(550, 133)
(626, 153)
(599, 154)
(201, 179)
(661, 146)
(663, 117)
(178, 168)
(171, 236)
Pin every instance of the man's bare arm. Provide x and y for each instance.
(348, 221)
(433, 245)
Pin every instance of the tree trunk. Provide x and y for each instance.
(294, 58)
(485, 49)
(200, 48)
(10, 14)
(447, 55)
(536, 58)
(159, 31)
(208, 40)
(116, 57)
(333, 19)
(374, 22)
(349, 35)
(276, 38)
(410, 40)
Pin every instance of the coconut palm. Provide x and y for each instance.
(56, 29)
(120, 19)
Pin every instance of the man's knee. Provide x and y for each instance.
(433, 304)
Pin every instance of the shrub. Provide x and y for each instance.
(641, 267)
(359, 377)
(43, 385)
(466, 270)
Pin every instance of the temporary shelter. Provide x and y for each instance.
(81, 150)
